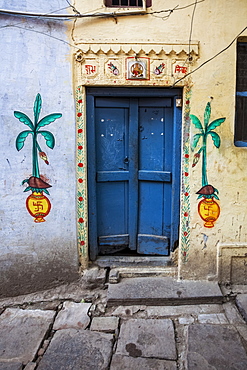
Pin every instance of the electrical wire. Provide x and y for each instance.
(210, 59)
(191, 25)
(98, 14)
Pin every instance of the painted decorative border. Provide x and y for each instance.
(81, 177)
(82, 230)
(185, 196)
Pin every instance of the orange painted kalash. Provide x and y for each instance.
(209, 211)
(208, 208)
(38, 205)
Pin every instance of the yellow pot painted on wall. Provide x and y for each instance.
(38, 205)
(209, 211)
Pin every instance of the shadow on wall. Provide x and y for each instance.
(22, 271)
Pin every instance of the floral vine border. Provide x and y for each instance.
(82, 236)
(81, 176)
(185, 196)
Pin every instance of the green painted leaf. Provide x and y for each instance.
(216, 138)
(23, 182)
(20, 140)
(28, 188)
(24, 118)
(207, 114)
(196, 139)
(217, 122)
(196, 122)
(48, 119)
(46, 191)
(37, 107)
(216, 197)
(49, 137)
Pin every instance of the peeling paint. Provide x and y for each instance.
(204, 241)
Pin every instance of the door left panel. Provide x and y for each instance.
(112, 173)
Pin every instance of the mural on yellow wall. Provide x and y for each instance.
(38, 205)
(208, 207)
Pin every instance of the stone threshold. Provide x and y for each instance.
(128, 261)
(160, 291)
(129, 267)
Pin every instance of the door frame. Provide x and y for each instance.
(135, 92)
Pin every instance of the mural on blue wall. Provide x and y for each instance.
(38, 205)
(208, 208)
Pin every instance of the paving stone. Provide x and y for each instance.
(212, 318)
(233, 314)
(76, 349)
(120, 362)
(147, 338)
(10, 366)
(213, 347)
(162, 291)
(241, 302)
(114, 276)
(94, 277)
(73, 315)
(30, 366)
(22, 332)
(242, 329)
(175, 311)
(105, 324)
(124, 311)
(186, 320)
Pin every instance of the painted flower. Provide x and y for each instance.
(196, 159)
(44, 157)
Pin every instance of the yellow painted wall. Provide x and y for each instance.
(215, 24)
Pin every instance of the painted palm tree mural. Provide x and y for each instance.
(208, 208)
(38, 205)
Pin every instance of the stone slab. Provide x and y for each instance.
(76, 349)
(94, 277)
(105, 324)
(72, 315)
(147, 338)
(126, 311)
(162, 291)
(242, 329)
(213, 347)
(241, 302)
(212, 318)
(10, 366)
(186, 320)
(233, 314)
(30, 366)
(22, 332)
(120, 362)
(176, 311)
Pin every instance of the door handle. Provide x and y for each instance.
(126, 160)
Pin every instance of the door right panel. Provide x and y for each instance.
(155, 175)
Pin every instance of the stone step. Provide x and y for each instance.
(133, 261)
(133, 272)
(162, 291)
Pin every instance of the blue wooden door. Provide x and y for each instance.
(133, 171)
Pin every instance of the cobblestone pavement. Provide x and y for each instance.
(79, 332)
